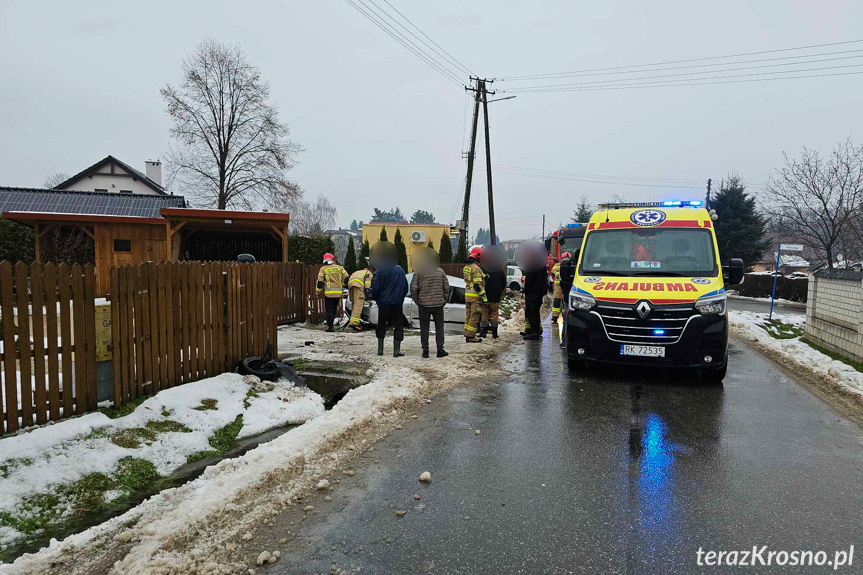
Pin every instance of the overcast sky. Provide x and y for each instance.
(80, 80)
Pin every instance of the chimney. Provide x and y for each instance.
(154, 171)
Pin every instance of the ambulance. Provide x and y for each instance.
(649, 290)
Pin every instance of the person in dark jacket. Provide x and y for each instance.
(430, 291)
(495, 284)
(389, 288)
(535, 289)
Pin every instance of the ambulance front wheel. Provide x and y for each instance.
(574, 364)
(715, 375)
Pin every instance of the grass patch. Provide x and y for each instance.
(207, 405)
(300, 363)
(134, 474)
(221, 441)
(126, 408)
(780, 330)
(833, 355)
(167, 426)
(167, 412)
(249, 395)
(133, 437)
(12, 464)
(36, 512)
(88, 493)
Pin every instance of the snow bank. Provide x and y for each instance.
(61, 453)
(748, 326)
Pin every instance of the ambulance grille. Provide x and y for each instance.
(663, 326)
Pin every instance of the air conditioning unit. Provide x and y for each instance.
(418, 237)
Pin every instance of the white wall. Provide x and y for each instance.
(112, 183)
(834, 315)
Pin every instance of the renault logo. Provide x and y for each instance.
(643, 308)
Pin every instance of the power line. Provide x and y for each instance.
(451, 58)
(443, 63)
(419, 53)
(590, 181)
(618, 72)
(685, 61)
(639, 78)
(698, 82)
(580, 175)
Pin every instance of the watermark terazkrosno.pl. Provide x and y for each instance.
(763, 555)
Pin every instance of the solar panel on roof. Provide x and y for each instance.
(92, 203)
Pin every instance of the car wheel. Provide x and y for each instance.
(574, 364)
(254, 365)
(715, 375)
(514, 286)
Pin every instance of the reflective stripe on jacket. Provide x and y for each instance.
(331, 278)
(555, 271)
(474, 282)
(361, 279)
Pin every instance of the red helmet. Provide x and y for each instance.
(475, 253)
(566, 255)
(329, 258)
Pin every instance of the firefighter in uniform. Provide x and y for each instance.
(557, 294)
(359, 285)
(474, 295)
(332, 278)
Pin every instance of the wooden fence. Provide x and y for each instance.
(456, 270)
(177, 322)
(171, 323)
(49, 343)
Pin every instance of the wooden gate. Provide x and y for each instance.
(49, 343)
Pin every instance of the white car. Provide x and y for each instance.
(453, 314)
(514, 278)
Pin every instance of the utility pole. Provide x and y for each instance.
(470, 158)
(483, 87)
(543, 228)
(707, 198)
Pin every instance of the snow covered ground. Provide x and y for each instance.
(196, 527)
(165, 430)
(753, 327)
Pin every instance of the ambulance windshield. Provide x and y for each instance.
(654, 252)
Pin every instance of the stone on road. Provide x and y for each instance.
(622, 471)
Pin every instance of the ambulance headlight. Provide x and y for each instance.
(711, 305)
(581, 301)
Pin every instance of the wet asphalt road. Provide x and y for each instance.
(627, 472)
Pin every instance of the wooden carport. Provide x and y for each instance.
(182, 223)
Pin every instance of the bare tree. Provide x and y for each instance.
(817, 199)
(308, 218)
(230, 148)
(54, 180)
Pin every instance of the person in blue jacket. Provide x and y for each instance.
(389, 288)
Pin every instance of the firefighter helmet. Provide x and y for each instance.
(329, 258)
(475, 253)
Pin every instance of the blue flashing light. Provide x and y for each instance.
(694, 202)
(673, 203)
(573, 225)
(659, 332)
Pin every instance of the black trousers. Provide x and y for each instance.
(393, 315)
(532, 305)
(426, 315)
(331, 305)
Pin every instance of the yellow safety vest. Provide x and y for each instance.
(332, 277)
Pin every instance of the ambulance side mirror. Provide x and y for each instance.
(735, 271)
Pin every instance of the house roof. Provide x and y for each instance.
(90, 203)
(108, 160)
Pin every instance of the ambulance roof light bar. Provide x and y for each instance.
(665, 204)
